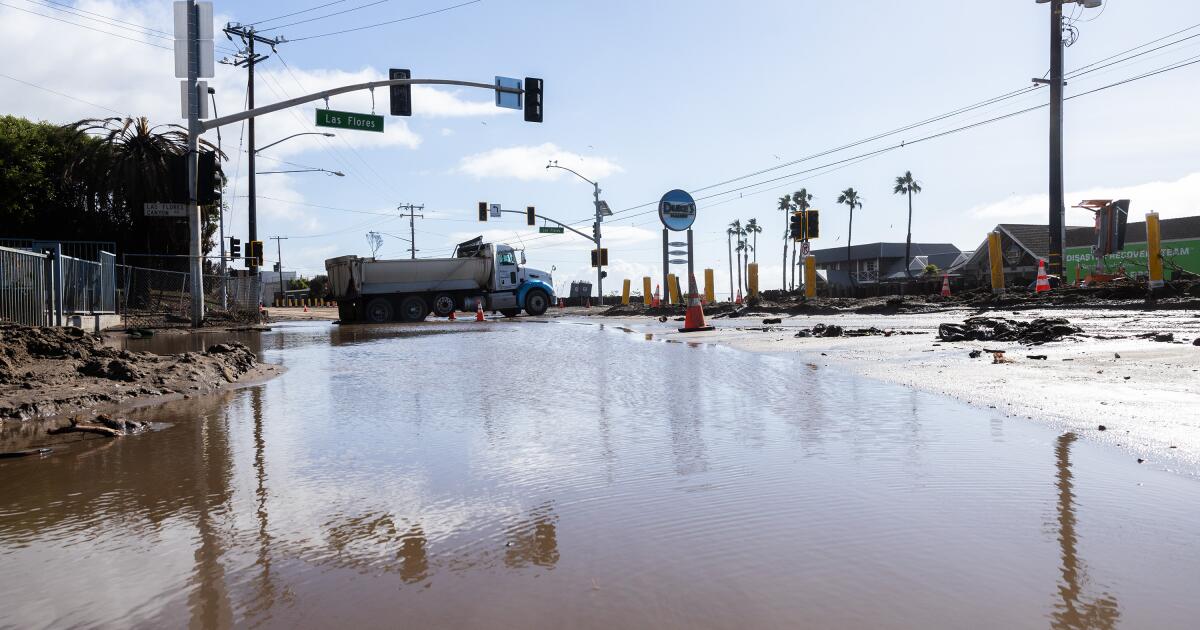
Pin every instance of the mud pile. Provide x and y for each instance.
(47, 371)
(1034, 332)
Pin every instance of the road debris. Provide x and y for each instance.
(104, 425)
(1035, 332)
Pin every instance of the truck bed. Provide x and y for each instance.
(366, 276)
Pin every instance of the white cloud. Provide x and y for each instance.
(528, 163)
(1170, 199)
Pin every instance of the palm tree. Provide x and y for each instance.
(785, 204)
(743, 270)
(737, 230)
(907, 185)
(729, 232)
(803, 201)
(850, 199)
(753, 229)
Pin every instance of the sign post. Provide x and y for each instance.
(677, 211)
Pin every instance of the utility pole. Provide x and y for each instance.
(248, 59)
(412, 227)
(193, 161)
(279, 257)
(212, 93)
(1058, 205)
(595, 228)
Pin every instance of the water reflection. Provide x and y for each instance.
(533, 540)
(1075, 612)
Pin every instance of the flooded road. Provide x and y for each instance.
(574, 475)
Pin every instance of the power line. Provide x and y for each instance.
(73, 10)
(404, 19)
(57, 93)
(328, 15)
(287, 15)
(56, 19)
(98, 18)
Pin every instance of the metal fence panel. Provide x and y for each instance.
(156, 297)
(23, 287)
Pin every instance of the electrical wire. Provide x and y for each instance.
(288, 15)
(329, 15)
(396, 21)
(73, 10)
(57, 19)
(57, 93)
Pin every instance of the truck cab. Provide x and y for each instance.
(518, 287)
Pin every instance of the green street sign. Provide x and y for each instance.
(349, 120)
(550, 230)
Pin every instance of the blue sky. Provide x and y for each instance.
(647, 97)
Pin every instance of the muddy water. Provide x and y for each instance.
(525, 475)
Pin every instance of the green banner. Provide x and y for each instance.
(349, 120)
(1182, 253)
(550, 230)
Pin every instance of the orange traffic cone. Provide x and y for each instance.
(945, 285)
(739, 297)
(1043, 283)
(657, 300)
(306, 307)
(452, 317)
(561, 303)
(479, 311)
(693, 320)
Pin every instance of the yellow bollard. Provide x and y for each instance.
(810, 276)
(625, 293)
(647, 298)
(1154, 250)
(673, 289)
(997, 263)
(710, 289)
(752, 279)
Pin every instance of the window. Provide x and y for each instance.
(507, 258)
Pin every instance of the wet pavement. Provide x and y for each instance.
(572, 474)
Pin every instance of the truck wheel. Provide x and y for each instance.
(347, 311)
(536, 302)
(443, 305)
(510, 312)
(413, 309)
(380, 311)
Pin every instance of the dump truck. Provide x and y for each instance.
(491, 274)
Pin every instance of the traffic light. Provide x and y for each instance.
(530, 216)
(254, 253)
(235, 248)
(483, 211)
(797, 226)
(401, 95)
(603, 262)
(533, 100)
(813, 227)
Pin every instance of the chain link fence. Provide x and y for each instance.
(154, 298)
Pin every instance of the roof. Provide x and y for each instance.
(871, 251)
(1171, 230)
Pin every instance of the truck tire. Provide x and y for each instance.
(413, 309)
(536, 302)
(380, 311)
(444, 304)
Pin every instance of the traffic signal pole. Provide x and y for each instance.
(196, 266)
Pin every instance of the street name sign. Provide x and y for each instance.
(349, 120)
(677, 210)
(550, 230)
(166, 209)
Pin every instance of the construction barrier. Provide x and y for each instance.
(647, 298)
(996, 259)
(1154, 250)
(710, 287)
(625, 293)
(673, 290)
(810, 276)
(752, 279)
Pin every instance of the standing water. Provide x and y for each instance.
(570, 475)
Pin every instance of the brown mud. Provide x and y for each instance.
(48, 372)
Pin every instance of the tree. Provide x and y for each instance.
(907, 185)
(318, 287)
(753, 229)
(126, 162)
(729, 232)
(785, 204)
(850, 199)
(736, 230)
(803, 201)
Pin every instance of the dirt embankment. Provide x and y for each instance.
(52, 371)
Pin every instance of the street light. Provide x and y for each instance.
(1058, 205)
(304, 170)
(295, 135)
(601, 211)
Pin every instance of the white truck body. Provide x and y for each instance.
(372, 290)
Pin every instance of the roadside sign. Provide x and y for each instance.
(495, 208)
(349, 120)
(508, 100)
(677, 244)
(550, 230)
(677, 252)
(602, 206)
(166, 209)
(677, 210)
(678, 262)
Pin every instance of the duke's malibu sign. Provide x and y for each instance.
(349, 120)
